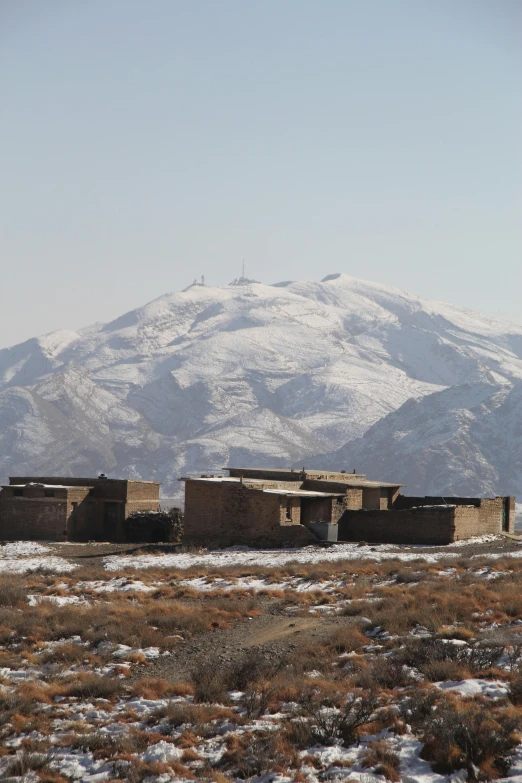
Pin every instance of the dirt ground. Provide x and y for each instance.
(274, 633)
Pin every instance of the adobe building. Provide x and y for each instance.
(293, 507)
(72, 509)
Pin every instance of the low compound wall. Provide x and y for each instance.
(427, 526)
(495, 515)
(30, 519)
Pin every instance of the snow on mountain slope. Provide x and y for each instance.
(255, 374)
(465, 440)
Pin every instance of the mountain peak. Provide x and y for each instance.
(263, 374)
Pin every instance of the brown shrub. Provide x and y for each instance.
(326, 721)
(154, 688)
(346, 639)
(93, 686)
(383, 673)
(464, 735)
(383, 760)
(251, 668)
(65, 653)
(13, 591)
(250, 754)
(26, 762)
(209, 682)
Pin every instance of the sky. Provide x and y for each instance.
(147, 143)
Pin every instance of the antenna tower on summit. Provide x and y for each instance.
(243, 269)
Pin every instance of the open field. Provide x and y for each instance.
(305, 665)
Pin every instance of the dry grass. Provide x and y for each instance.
(361, 687)
(464, 735)
(13, 591)
(157, 688)
(93, 686)
(383, 760)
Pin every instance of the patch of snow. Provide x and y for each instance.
(493, 689)
(163, 752)
(21, 549)
(59, 600)
(277, 557)
(121, 584)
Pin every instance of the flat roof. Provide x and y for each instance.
(86, 481)
(303, 493)
(46, 486)
(299, 471)
(353, 479)
(236, 479)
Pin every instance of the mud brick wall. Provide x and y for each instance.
(33, 519)
(408, 501)
(429, 526)
(143, 492)
(371, 498)
(510, 508)
(469, 523)
(292, 505)
(226, 510)
(268, 475)
(488, 519)
(354, 498)
(339, 506)
(80, 525)
(491, 515)
(354, 495)
(316, 510)
(142, 496)
(66, 481)
(223, 514)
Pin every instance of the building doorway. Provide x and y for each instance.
(71, 523)
(506, 509)
(110, 519)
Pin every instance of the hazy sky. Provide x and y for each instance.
(145, 142)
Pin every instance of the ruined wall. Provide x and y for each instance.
(427, 526)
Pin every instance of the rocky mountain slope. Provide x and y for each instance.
(361, 374)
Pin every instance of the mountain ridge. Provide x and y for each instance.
(259, 374)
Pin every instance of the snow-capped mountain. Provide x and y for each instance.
(365, 375)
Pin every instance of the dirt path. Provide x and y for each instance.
(275, 635)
